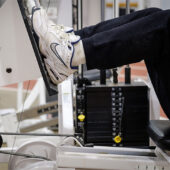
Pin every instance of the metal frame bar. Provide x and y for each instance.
(48, 108)
(51, 88)
(105, 158)
(89, 158)
(47, 123)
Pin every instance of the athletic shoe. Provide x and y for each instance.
(59, 53)
(30, 4)
(57, 46)
(41, 20)
(42, 24)
(61, 27)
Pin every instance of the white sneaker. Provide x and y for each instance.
(70, 32)
(39, 21)
(57, 46)
(42, 24)
(59, 53)
(31, 6)
(61, 27)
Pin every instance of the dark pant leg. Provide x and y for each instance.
(143, 39)
(112, 23)
(161, 82)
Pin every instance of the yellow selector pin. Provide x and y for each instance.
(81, 117)
(117, 139)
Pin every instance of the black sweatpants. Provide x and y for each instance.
(142, 35)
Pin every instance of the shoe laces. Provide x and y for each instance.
(65, 37)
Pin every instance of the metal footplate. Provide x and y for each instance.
(51, 88)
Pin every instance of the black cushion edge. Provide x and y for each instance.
(158, 135)
(1, 141)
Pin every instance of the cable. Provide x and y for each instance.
(24, 155)
(65, 140)
(20, 118)
(70, 138)
(38, 134)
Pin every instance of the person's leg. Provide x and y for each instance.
(129, 43)
(112, 23)
(158, 73)
(143, 39)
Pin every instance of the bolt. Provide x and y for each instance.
(8, 70)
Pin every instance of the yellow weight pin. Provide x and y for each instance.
(117, 139)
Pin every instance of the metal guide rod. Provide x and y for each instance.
(116, 9)
(127, 7)
(102, 10)
(80, 26)
(102, 72)
(80, 13)
(37, 134)
(115, 15)
(127, 69)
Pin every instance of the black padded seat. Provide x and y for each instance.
(159, 131)
(1, 141)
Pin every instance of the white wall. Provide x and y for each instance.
(64, 12)
(165, 4)
(16, 51)
(91, 12)
(154, 3)
(15, 48)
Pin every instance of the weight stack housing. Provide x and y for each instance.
(111, 111)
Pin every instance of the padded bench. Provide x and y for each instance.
(1, 141)
(159, 131)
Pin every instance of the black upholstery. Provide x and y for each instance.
(159, 131)
(1, 141)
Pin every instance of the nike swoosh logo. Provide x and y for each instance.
(53, 48)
